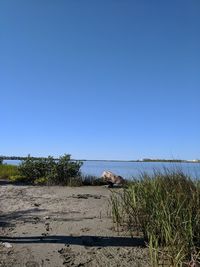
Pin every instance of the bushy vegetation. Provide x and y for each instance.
(6, 171)
(49, 171)
(165, 209)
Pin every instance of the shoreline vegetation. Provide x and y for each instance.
(2, 158)
(48, 171)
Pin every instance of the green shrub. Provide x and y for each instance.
(33, 168)
(6, 171)
(60, 172)
(165, 208)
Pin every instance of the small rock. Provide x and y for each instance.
(46, 218)
(37, 204)
(7, 245)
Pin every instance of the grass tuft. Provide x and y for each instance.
(165, 208)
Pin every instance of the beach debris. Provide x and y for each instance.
(85, 229)
(112, 178)
(6, 245)
(46, 217)
(86, 196)
(45, 234)
(37, 204)
(83, 196)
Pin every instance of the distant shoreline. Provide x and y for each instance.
(142, 161)
(105, 160)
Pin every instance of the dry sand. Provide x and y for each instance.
(63, 226)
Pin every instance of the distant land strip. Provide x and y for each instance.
(140, 160)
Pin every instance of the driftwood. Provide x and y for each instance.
(112, 178)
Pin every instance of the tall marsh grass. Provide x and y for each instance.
(165, 209)
(7, 171)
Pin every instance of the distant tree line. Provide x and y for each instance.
(22, 158)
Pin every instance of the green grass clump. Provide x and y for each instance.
(6, 171)
(165, 208)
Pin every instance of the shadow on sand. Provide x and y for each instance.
(8, 182)
(89, 241)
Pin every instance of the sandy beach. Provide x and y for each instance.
(63, 226)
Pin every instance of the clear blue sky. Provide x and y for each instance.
(107, 79)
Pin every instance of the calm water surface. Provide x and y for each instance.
(132, 169)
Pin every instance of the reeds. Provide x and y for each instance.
(165, 208)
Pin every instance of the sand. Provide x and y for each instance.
(63, 226)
